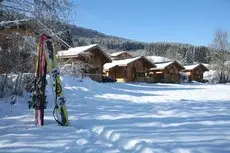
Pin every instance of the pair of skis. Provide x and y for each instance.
(46, 60)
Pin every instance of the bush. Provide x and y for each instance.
(15, 84)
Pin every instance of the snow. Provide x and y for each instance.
(118, 53)
(191, 67)
(124, 118)
(157, 59)
(211, 76)
(162, 65)
(16, 22)
(108, 66)
(75, 51)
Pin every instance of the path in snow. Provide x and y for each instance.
(139, 118)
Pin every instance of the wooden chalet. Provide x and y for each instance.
(12, 33)
(92, 55)
(11, 30)
(26, 27)
(195, 72)
(129, 70)
(166, 72)
(120, 55)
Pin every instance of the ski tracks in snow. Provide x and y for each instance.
(105, 140)
(118, 145)
(91, 141)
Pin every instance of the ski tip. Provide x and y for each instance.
(44, 36)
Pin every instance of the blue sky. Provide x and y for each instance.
(186, 21)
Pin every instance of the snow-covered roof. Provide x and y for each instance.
(108, 66)
(158, 59)
(71, 52)
(76, 50)
(123, 62)
(118, 53)
(163, 65)
(191, 67)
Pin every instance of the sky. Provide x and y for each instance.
(185, 21)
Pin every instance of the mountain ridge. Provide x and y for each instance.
(184, 52)
(99, 34)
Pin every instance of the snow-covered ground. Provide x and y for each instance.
(124, 118)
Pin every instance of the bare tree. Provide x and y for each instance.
(40, 9)
(17, 49)
(220, 55)
(172, 53)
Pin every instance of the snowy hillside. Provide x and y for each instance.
(124, 118)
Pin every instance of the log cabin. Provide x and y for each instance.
(195, 72)
(120, 55)
(92, 55)
(166, 72)
(13, 33)
(26, 27)
(12, 30)
(129, 70)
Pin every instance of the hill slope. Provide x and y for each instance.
(185, 53)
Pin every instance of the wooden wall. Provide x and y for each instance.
(171, 74)
(133, 72)
(197, 74)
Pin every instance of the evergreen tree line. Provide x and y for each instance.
(185, 53)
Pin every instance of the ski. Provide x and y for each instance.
(38, 98)
(60, 111)
(36, 92)
(42, 83)
(46, 60)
